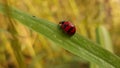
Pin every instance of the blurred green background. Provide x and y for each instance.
(40, 52)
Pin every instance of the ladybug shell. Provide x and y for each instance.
(68, 27)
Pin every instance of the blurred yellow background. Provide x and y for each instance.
(40, 52)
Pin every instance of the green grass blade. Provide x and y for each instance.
(76, 44)
(102, 38)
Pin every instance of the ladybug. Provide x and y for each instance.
(67, 27)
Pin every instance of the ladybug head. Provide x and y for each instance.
(62, 22)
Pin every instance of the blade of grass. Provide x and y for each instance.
(102, 38)
(14, 41)
(76, 44)
(2, 49)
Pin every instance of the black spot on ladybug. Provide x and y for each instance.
(70, 30)
(68, 27)
(64, 26)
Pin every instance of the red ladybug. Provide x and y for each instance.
(67, 27)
